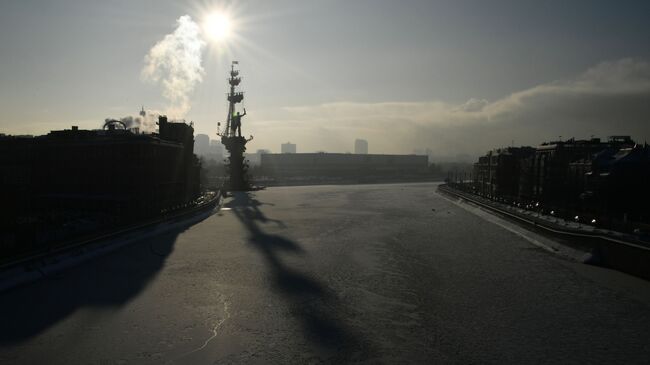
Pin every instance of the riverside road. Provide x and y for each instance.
(331, 274)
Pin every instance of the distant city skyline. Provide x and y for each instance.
(455, 77)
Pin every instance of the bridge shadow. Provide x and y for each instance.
(108, 281)
(315, 305)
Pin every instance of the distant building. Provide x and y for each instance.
(215, 151)
(216, 147)
(201, 144)
(424, 151)
(361, 147)
(254, 159)
(342, 165)
(288, 147)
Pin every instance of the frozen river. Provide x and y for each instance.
(368, 273)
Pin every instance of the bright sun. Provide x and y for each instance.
(217, 26)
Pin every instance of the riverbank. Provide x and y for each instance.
(31, 268)
(620, 251)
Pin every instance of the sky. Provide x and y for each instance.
(457, 77)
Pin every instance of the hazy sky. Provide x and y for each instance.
(453, 76)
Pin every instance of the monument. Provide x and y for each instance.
(231, 136)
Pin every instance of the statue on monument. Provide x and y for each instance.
(236, 122)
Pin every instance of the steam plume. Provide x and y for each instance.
(175, 63)
(144, 123)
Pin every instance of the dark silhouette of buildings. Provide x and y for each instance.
(548, 174)
(616, 183)
(602, 180)
(76, 181)
(499, 171)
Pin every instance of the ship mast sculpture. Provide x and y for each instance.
(231, 136)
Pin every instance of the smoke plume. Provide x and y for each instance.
(175, 64)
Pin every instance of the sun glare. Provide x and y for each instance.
(217, 26)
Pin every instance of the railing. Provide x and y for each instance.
(614, 249)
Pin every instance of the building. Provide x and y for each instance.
(600, 181)
(616, 184)
(361, 147)
(424, 151)
(254, 159)
(547, 176)
(288, 148)
(498, 172)
(215, 151)
(201, 144)
(102, 178)
(342, 165)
